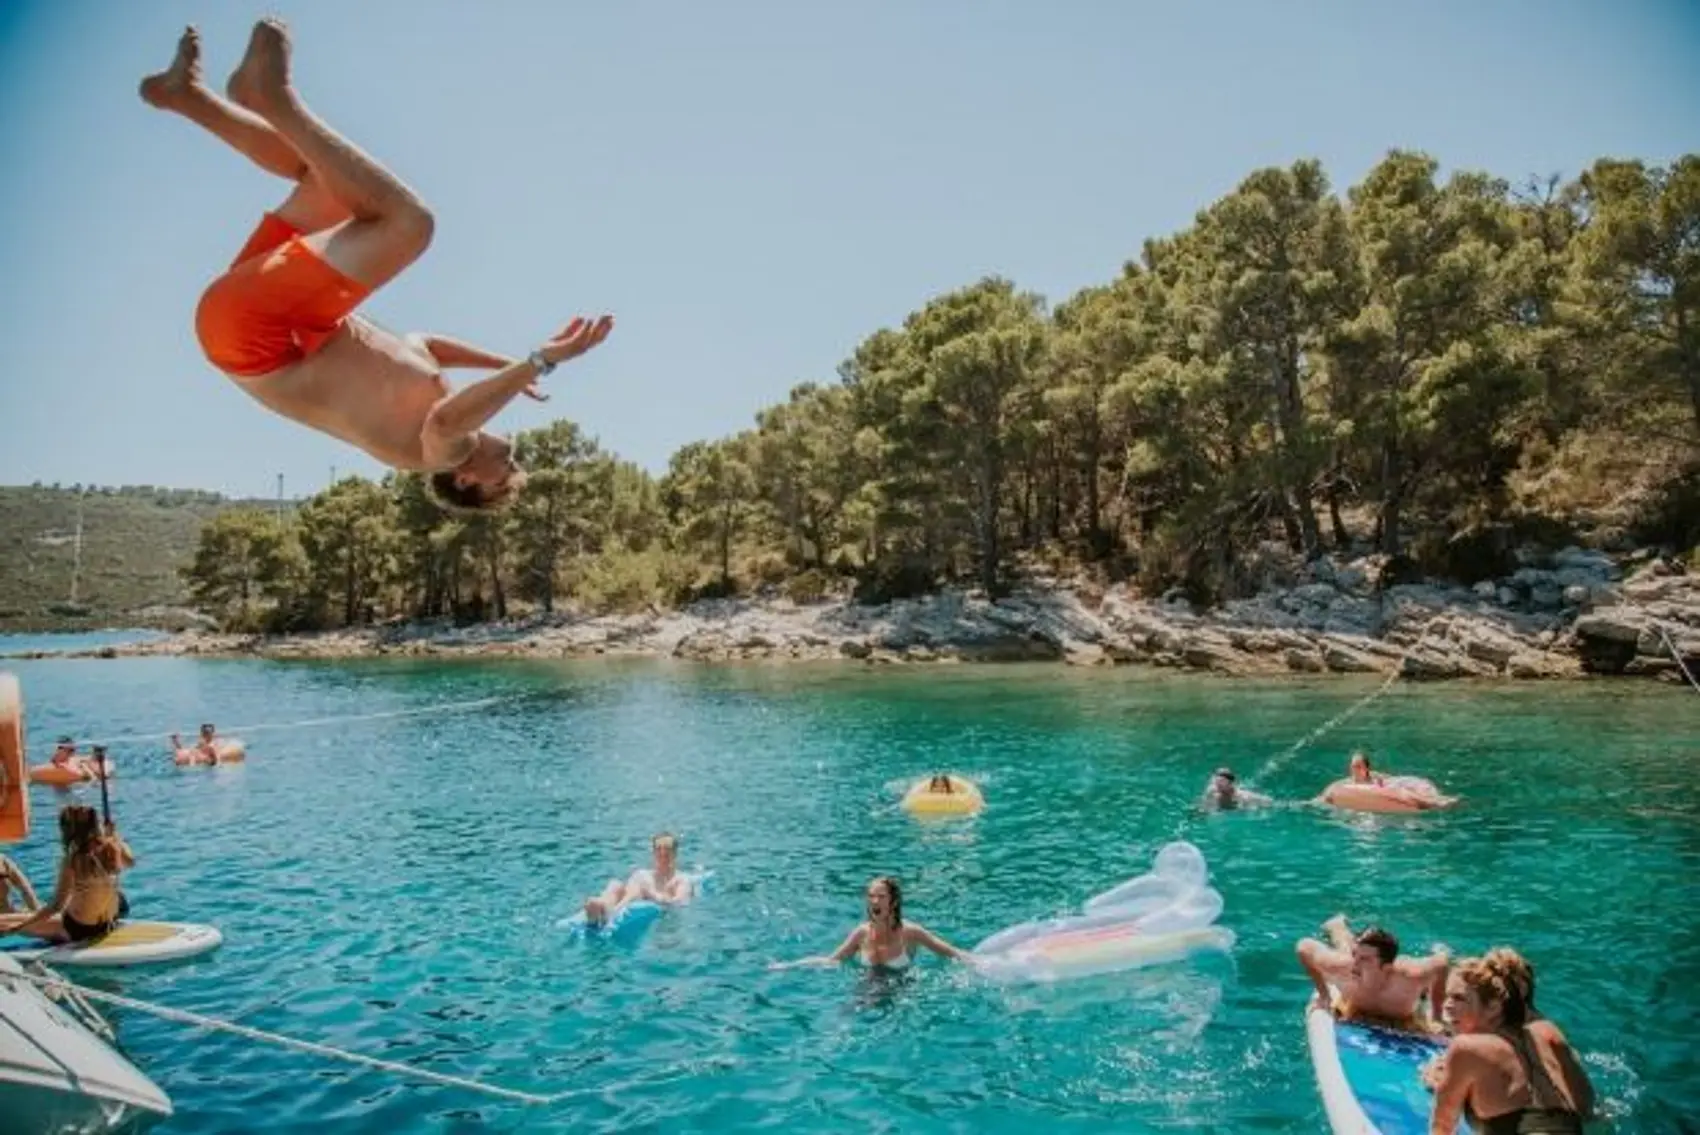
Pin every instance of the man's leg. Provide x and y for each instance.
(389, 227)
(179, 89)
(310, 207)
(600, 908)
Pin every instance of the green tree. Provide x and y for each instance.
(1638, 277)
(244, 556)
(1419, 355)
(559, 511)
(1273, 269)
(708, 496)
(350, 536)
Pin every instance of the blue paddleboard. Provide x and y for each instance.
(1371, 1077)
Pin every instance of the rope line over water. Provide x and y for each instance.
(53, 983)
(1676, 654)
(1274, 763)
(346, 719)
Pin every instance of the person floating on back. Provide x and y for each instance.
(663, 883)
(1375, 984)
(280, 321)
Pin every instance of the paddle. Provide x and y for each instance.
(106, 814)
(99, 752)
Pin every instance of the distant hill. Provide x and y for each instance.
(135, 541)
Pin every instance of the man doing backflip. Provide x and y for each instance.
(281, 321)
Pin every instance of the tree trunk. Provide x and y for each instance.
(551, 556)
(1295, 473)
(350, 557)
(497, 593)
(1690, 365)
(726, 548)
(1392, 500)
(1094, 506)
(1342, 538)
(991, 553)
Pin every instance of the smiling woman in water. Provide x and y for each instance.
(884, 939)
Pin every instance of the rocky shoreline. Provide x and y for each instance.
(1567, 615)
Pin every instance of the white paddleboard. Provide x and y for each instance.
(131, 944)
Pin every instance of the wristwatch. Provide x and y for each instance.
(538, 363)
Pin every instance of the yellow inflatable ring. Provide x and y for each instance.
(963, 799)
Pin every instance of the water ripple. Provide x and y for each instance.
(393, 887)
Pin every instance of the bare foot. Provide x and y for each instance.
(261, 80)
(172, 85)
(595, 910)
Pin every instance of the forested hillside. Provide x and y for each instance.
(136, 541)
(1433, 369)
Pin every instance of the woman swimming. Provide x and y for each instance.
(884, 939)
(86, 901)
(1513, 1075)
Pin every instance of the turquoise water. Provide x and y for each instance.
(62, 641)
(392, 887)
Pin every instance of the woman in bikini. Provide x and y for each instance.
(884, 940)
(1511, 1074)
(86, 902)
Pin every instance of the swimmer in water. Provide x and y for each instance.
(1512, 1072)
(1224, 793)
(661, 883)
(1375, 984)
(283, 320)
(65, 753)
(1359, 772)
(1414, 789)
(940, 783)
(205, 751)
(884, 940)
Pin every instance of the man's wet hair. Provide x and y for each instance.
(1385, 944)
(465, 500)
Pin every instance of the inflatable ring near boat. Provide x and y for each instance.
(963, 799)
(230, 752)
(79, 771)
(1395, 794)
(14, 796)
(1370, 1077)
(127, 944)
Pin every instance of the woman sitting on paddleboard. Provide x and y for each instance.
(86, 902)
(1514, 1075)
(884, 939)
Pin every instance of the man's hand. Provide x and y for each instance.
(576, 338)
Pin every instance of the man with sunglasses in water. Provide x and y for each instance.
(1375, 984)
(662, 883)
(281, 320)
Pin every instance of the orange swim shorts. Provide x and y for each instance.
(277, 304)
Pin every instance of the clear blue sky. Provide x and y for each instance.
(752, 187)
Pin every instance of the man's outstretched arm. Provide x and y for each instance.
(458, 353)
(465, 411)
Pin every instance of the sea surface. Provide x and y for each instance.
(389, 878)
